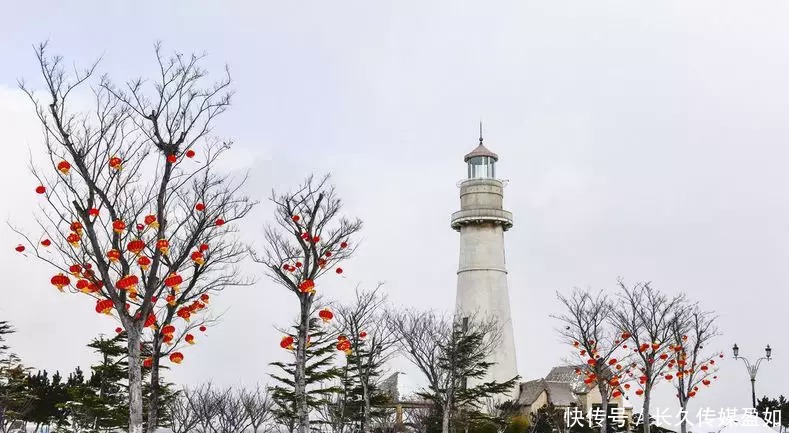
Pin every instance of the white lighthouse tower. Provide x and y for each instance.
(482, 272)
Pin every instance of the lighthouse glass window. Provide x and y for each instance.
(481, 167)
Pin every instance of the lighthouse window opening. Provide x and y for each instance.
(481, 167)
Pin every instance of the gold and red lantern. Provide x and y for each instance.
(189, 338)
(116, 163)
(307, 286)
(104, 306)
(144, 263)
(173, 281)
(150, 220)
(150, 321)
(93, 212)
(64, 167)
(176, 357)
(118, 226)
(74, 239)
(60, 281)
(184, 313)
(325, 315)
(136, 246)
(113, 255)
(163, 245)
(46, 242)
(204, 297)
(287, 342)
(198, 258)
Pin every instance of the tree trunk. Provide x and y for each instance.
(445, 418)
(365, 424)
(645, 409)
(684, 424)
(604, 406)
(153, 407)
(302, 409)
(135, 379)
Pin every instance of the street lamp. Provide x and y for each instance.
(752, 368)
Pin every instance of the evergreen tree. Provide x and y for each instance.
(319, 370)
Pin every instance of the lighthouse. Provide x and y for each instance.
(482, 271)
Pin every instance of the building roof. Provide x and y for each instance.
(558, 393)
(530, 391)
(481, 150)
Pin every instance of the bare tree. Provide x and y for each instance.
(586, 325)
(646, 316)
(450, 353)
(183, 416)
(130, 197)
(257, 406)
(694, 366)
(309, 239)
(366, 325)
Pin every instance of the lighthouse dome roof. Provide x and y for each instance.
(481, 150)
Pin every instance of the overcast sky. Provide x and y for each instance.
(641, 139)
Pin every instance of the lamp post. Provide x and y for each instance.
(752, 368)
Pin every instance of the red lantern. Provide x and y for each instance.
(104, 306)
(627, 386)
(203, 247)
(664, 356)
(136, 246)
(64, 167)
(150, 220)
(591, 362)
(173, 281)
(199, 207)
(612, 361)
(170, 300)
(362, 334)
(328, 253)
(147, 362)
(669, 377)
(616, 394)
(83, 286)
(41, 189)
(128, 282)
(168, 330)
(326, 315)
(639, 391)
(60, 281)
(75, 270)
(625, 335)
(198, 258)
(163, 245)
(343, 244)
(20, 248)
(150, 321)
(298, 264)
(46, 242)
(219, 222)
(190, 153)
(295, 218)
(73, 239)
(184, 313)
(287, 342)
(189, 338)
(171, 158)
(308, 286)
(76, 227)
(316, 239)
(338, 270)
(93, 212)
(116, 163)
(118, 226)
(144, 263)
(114, 255)
(655, 346)
(176, 357)
(118, 330)
(204, 297)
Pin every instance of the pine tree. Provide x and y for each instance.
(319, 370)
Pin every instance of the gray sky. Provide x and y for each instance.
(642, 140)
